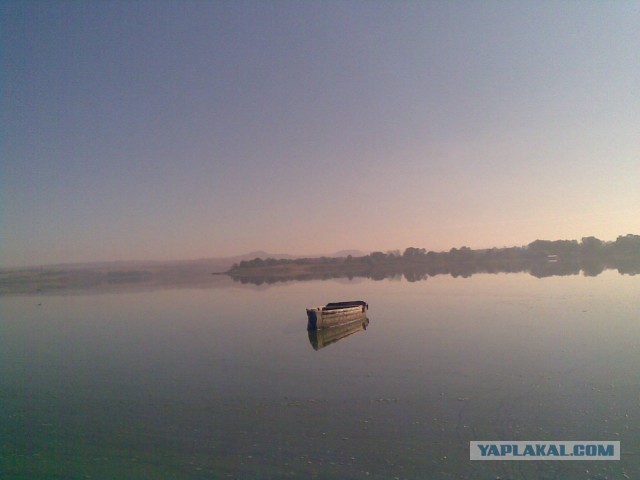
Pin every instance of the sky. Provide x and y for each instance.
(177, 130)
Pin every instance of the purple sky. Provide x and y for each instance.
(170, 130)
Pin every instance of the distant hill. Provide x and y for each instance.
(346, 253)
(263, 254)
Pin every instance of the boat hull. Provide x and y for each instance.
(320, 318)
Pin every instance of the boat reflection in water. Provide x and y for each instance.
(321, 338)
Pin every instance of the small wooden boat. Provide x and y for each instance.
(335, 314)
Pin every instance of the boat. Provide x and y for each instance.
(335, 314)
(322, 338)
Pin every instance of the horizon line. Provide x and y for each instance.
(107, 263)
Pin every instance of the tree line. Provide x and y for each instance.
(590, 254)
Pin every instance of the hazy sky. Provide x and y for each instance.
(171, 130)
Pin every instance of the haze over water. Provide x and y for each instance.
(224, 381)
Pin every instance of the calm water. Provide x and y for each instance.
(223, 382)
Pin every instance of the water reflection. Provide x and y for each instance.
(185, 383)
(416, 273)
(325, 337)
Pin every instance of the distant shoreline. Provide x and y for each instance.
(541, 258)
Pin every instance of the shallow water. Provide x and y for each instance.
(224, 382)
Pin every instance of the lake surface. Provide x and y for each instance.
(224, 382)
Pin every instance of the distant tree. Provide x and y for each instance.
(412, 253)
(466, 253)
(540, 247)
(377, 257)
(591, 246)
(562, 248)
(628, 245)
